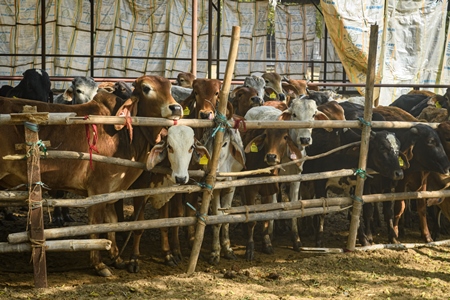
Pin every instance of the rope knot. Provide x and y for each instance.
(362, 173)
(221, 122)
(197, 213)
(356, 198)
(364, 122)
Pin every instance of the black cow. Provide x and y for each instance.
(35, 85)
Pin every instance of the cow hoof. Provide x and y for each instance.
(133, 265)
(214, 259)
(229, 255)
(296, 245)
(170, 261)
(250, 251)
(268, 249)
(428, 239)
(119, 264)
(103, 270)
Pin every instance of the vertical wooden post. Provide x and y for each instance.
(194, 38)
(35, 213)
(210, 179)
(370, 80)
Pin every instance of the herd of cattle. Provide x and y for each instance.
(413, 159)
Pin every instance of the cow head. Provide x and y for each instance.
(153, 95)
(178, 148)
(83, 89)
(423, 143)
(276, 144)
(202, 102)
(384, 155)
(35, 85)
(185, 79)
(273, 80)
(232, 157)
(243, 98)
(257, 83)
(302, 110)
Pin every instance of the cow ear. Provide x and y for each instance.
(188, 103)
(285, 115)
(230, 110)
(237, 151)
(405, 160)
(128, 109)
(156, 155)
(201, 150)
(258, 142)
(320, 116)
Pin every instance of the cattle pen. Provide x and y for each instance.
(20, 242)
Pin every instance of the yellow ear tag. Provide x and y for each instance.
(186, 111)
(437, 104)
(203, 160)
(253, 148)
(273, 96)
(401, 162)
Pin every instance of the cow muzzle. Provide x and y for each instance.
(181, 179)
(271, 159)
(176, 110)
(305, 141)
(206, 115)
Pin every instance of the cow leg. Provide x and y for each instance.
(193, 200)
(165, 246)
(267, 243)
(293, 197)
(422, 211)
(214, 258)
(388, 212)
(176, 210)
(250, 195)
(365, 225)
(272, 222)
(96, 215)
(226, 202)
(399, 208)
(133, 265)
(319, 221)
(111, 217)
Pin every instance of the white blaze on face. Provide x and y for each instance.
(393, 143)
(39, 71)
(302, 110)
(180, 142)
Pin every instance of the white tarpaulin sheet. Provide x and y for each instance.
(411, 41)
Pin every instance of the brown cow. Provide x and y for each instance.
(273, 83)
(151, 98)
(243, 98)
(185, 79)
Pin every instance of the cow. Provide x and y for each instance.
(174, 151)
(35, 85)
(256, 82)
(81, 90)
(151, 98)
(424, 152)
(264, 148)
(185, 79)
(243, 98)
(119, 88)
(231, 159)
(273, 87)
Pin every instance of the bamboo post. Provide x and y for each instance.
(370, 80)
(35, 213)
(210, 179)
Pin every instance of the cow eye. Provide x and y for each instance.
(79, 91)
(146, 89)
(170, 148)
(294, 115)
(224, 144)
(285, 137)
(217, 93)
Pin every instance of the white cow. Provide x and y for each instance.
(231, 159)
(174, 151)
(82, 90)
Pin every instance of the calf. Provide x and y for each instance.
(243, 98)
(257, 83)
(185, 79)
(35, 85)
(265, 148)
(174, 151)
(231, 159)
(273, 81)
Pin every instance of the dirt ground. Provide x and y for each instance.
(382, 274)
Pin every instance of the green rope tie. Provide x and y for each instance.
(221, 122)
(43, 185)
(204, 185)
(364, 122)
(362, 173)
(197, 213)
(356, 198)
(31, 126)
